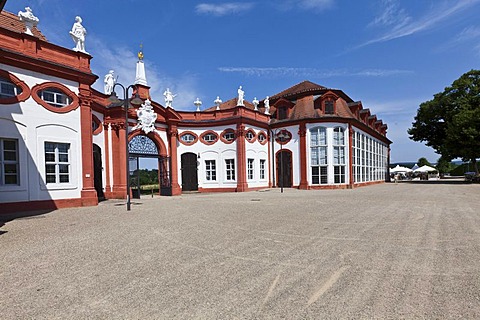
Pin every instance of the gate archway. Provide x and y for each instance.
(140, 147)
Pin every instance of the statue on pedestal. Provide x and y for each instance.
(267, 105)
(109, 82)
(168, 98)
(78, 34)
(241, 95)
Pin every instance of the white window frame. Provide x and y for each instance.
(188, 138)
(230, 170)
(210, 170)
(7, 162)
(58, 162)
(57, 97)
(321, 160)
(262, 169)
(6, 82)
(250, 168)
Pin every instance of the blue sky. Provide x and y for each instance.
(390, 54)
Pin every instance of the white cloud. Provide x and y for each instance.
(123, 62)
(431, 19)
(224, 8)
(392, 14)
(317, 5)
(311, 72)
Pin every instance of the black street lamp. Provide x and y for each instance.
(281, 136)
(135, 100)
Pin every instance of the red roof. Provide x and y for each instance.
(302, 87)
(11, 22)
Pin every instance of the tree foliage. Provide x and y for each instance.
(450, 122)
(423, 162)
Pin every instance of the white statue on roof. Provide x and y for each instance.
(241, 95)
(78, 34)
(255, 103)
(146, 117)
(109, 82)
(168, 98)
(267, 105)
(28, 19)
(218, 102)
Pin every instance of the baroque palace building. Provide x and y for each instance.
(63, 143)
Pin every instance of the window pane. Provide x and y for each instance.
(63, 147)
(49, 147)
(10, 145)
(50, 178)
(50, 168)
(11, 179)
(10, 168)
(64, 178)
(10, 155)
(63, 168)
(63, 157)
(50, 157)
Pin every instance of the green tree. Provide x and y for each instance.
(450, 122)
(444, 165)
(423, 162)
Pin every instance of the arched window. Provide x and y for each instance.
(318, 155)
(250, 135)
(262, 138)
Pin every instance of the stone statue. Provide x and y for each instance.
(218, 102)
(255, 103)
(241, 95)
(109, 82)
(168, 98)
(267, 105)
(78, 34)
(146, 117)
(28, 19)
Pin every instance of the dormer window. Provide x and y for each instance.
(329, 107)
(282, 113)
(54, 97)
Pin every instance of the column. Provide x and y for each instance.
(242, 184)
(302, 132)
(173, 133)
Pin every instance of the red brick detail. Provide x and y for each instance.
(242, 184)
(19, 83)
(303, 156)
(72, 106)
(173, 133)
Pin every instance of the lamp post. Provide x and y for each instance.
(280, 135)
(135, 100)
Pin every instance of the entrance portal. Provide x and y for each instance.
(284, 169)
(143, 148)
(189, 172)
(97, 172)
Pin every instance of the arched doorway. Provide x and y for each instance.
(142, 147)
(284, 168)
(98, 172)
(189, 172)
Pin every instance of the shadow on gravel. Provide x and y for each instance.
(4, 218)
(451, 182)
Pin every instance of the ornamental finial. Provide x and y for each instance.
(140, 53)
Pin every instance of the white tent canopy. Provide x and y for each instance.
(399, 168)
(425, 168)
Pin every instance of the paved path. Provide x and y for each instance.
(406, 250)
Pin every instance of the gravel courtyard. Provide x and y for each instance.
(389, 251)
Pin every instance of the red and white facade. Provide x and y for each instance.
(63, 143)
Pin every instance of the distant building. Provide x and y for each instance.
(62, 143)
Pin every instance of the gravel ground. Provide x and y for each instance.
(389, 251)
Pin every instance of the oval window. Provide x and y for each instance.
(55, 97)
(12, 89)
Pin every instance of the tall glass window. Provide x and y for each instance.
(230, 169)
(318, 155)
(339, 155)
(9, 174)
(57, 162)
(210, 170)
(250, 168)
(262, 169)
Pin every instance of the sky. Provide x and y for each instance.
(391, 55)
